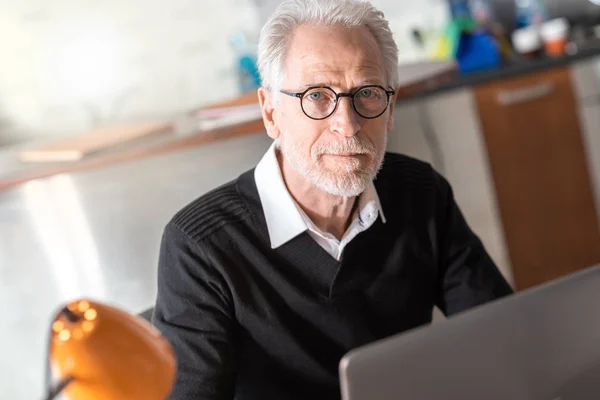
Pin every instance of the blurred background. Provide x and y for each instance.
(115, 114)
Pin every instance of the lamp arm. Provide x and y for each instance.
(53, 392)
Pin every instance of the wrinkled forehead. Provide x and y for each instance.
(336, 56)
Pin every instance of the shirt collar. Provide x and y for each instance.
(284, 218)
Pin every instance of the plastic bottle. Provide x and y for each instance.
(460, 9)
(246, 63)
(482, 11)
(530, 12)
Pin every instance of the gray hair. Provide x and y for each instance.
(278, 32)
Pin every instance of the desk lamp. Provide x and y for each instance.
(102, 353)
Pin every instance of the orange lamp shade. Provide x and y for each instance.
(110, 354)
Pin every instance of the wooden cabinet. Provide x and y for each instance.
(538, 163)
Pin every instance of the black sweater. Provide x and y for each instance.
(249, 322)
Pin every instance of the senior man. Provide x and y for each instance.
(330, 242)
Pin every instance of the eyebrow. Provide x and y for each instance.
(367, 82)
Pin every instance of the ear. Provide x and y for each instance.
(391, 108)
(265, 98)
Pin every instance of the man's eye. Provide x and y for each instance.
(365, 93)
(315, 96)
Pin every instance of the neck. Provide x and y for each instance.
(330, 213)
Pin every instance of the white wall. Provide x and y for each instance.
(68, 65)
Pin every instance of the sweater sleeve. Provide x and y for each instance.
(467, 275)
(194, 312)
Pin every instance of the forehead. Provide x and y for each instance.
(333, 55)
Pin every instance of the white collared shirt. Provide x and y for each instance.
(286, 219)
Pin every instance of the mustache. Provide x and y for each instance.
(356, 144)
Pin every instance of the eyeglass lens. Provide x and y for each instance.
(368, 102)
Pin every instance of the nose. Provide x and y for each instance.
(344, 119)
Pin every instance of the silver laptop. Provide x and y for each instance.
(542, 344)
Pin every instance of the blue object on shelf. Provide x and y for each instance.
(246, 68)
(460, 9)
(530, 12)
(248, 75)
(478, 51)
(482, 11)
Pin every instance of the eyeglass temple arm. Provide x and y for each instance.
(291, 93)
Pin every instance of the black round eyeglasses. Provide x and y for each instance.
(320, 102)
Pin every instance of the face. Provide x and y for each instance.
(342, 153)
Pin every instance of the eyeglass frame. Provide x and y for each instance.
(350, 95)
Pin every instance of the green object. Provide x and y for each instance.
(448, 43)
(455, 30)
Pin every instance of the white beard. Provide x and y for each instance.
(350, 179)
